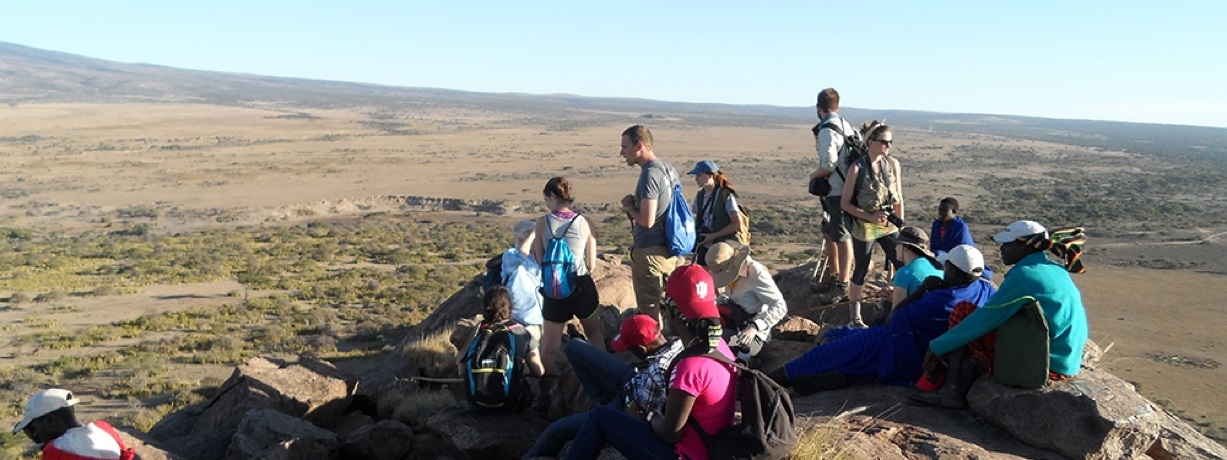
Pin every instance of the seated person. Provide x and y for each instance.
(949, 231)
(522, 276)
(610, 382)
(1025, 245)
(892, 352)
(49, 421)
(497, 303)
(918, 263)
(702, 391)
(753, 303)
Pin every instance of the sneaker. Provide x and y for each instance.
(857, 323)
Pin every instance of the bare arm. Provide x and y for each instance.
(590, 248)
(645, 216)
(539, 241)
(677, 411)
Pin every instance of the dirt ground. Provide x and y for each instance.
(74, 167)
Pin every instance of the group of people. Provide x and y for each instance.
(938, 335)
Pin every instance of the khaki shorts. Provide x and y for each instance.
(649, 268)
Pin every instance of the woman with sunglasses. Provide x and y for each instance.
(701, 388)
(874, 199)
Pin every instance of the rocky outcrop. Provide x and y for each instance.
(488, 436)
(1093, 415)
(266, 434)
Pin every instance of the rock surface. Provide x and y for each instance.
(267, 434)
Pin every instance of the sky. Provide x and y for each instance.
(1151, 62)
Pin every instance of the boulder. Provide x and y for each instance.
(1094, 415)
(292, 389)
(797, 329)
(208, 445)
(178, 423)
(487, 436)
(144, 448)
(386, 440)
(1178, 440)
(268, 434)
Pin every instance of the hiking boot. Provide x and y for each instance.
(940, 400)
(837, 293)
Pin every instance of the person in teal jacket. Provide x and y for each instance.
(1025, 245)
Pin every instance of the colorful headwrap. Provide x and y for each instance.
(1065, 243)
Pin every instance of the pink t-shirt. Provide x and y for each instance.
(715, 390)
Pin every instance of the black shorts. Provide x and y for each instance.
(582, 303)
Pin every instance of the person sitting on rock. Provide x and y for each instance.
(893, 352)
(497, 310)
(752, 303)
(702, 391)
(716, 214)
(918, 264)
(969, 346)
(949, 230)
(522, 275)
(611, 383)
(49, 421)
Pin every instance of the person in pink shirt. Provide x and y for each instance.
(702, 391)
(50, 422)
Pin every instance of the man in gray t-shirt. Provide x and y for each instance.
(651, 261)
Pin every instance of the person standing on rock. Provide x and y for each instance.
(833, 168)
(563, 223)
(873, 197)
(651, 261)
(49, 421)
(970, 345)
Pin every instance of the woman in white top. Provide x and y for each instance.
(564, 223)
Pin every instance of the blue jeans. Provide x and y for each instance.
(601, 374)
(629, 436)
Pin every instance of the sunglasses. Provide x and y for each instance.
(886, 142)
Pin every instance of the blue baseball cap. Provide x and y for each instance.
(705, 167)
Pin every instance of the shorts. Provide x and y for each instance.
(582, 303)
(650, 267)
(534, 336)
(835, 225)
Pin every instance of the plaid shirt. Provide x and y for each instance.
(649, 388)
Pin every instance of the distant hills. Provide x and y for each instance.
(30, 75)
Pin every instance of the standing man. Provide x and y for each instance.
(651, 261)
(833, 167)
(50, 422)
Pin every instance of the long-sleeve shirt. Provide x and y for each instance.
(757, 294)
(649, 388)
(1048, 282)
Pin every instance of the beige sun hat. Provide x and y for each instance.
(724, 261)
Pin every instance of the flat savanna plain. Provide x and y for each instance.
(1152, 292)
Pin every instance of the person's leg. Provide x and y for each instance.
(551, 340)
(645, 283)
(586, 306)
(888, 244)
(557, 435)
(863, 253)
(601, 374)
(631, 437)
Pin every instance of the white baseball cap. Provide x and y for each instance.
(966, 257)
(45, 402)
(1020, 229)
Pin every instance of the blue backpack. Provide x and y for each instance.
(679, 223)
(558, 264)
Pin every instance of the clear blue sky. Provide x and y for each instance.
(1106, 60)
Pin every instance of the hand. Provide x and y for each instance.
(628, 202)
(747, 335)
(879, 217)
(706, 239)
(931, 283)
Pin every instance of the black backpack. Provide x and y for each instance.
(494, 274)
(853, 150)
(767, 428)
(494, 379)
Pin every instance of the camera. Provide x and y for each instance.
(894, 219)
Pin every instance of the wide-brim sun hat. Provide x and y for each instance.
(916, 238)
(724, 261)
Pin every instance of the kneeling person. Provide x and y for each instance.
(753, 303)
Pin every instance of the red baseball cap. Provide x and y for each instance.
(637, 331)
(694, 292)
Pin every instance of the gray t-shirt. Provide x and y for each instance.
(656, 181)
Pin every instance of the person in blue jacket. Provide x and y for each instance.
(1025, 245)
(892, 352)
(949, 230)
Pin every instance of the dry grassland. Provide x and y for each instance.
(77, 167)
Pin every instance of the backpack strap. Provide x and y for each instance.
(835, 127)
(716, 355)
(565, 228)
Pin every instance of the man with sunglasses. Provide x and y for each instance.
(830, 143)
